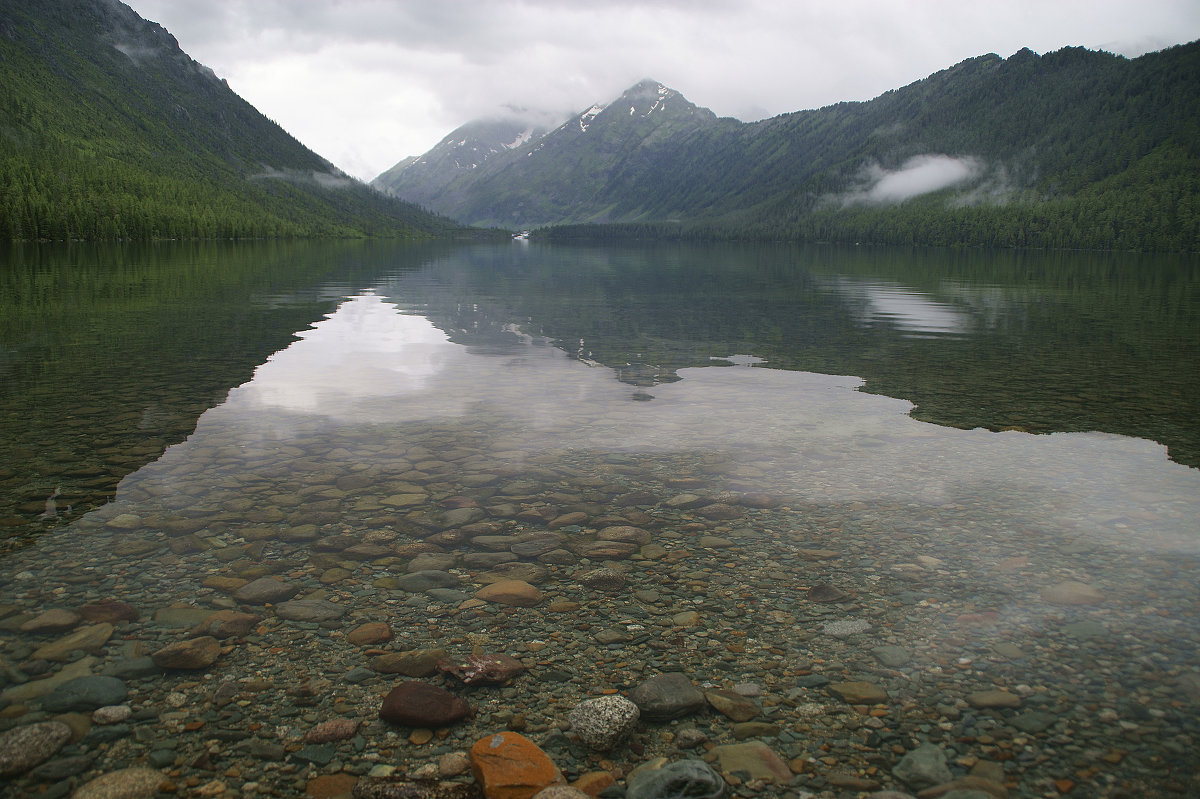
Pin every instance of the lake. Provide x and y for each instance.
(884, 509)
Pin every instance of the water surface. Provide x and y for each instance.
(990, 455)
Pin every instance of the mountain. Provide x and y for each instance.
(109, 130)
(1074, 148)
(465, 149)
(568, 174)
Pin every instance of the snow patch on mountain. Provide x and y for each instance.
(585, 119)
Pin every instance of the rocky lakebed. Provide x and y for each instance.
(441, 617)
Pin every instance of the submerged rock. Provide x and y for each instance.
(419, 704)
(23, 748)
(604, 722)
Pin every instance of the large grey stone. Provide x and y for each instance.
(416, 582)
(315, 610)
(86, 693)
(667, 696)
(683, 778)
(923, 767)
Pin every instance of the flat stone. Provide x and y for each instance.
(495, 669)
(844, 628)
(510, 592)
(607, 580)
(87, 639)
(720, 511)
(331, 786)
(226, 624)
(176, 618)
(732, 705)
(416, 582)
(993, 698)
(755, 759)
(625, 533)
(37, 688)
(332, 730)
(859, 692)
(55, 620)
(265, 590)
(1085, 630)
(667, 696)
(413, 663)
(532, 573)
(194, 653)
(85, 693)
(369, 634)
(128, 783)
(1072, 593)
(823, 593)
(604, 550)
(22, 748)
(892, 656)
(310, 610)
(109, 610)
(1034, 721)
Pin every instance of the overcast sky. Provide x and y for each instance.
(367, 82)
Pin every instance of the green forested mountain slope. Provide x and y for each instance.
(1074, 148)
(109, 130)
(583, 170)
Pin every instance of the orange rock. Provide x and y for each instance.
(373, 632)
(331, 786)
(508, 765)
(594, 782)
(511, 592)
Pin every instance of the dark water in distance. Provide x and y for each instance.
(110, 353)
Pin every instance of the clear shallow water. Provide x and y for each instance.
(528, 384)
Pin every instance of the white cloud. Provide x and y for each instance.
(918, 175)
(368, 82)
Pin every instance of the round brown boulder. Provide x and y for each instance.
(419, 704)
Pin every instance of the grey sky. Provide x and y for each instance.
(368, 82)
